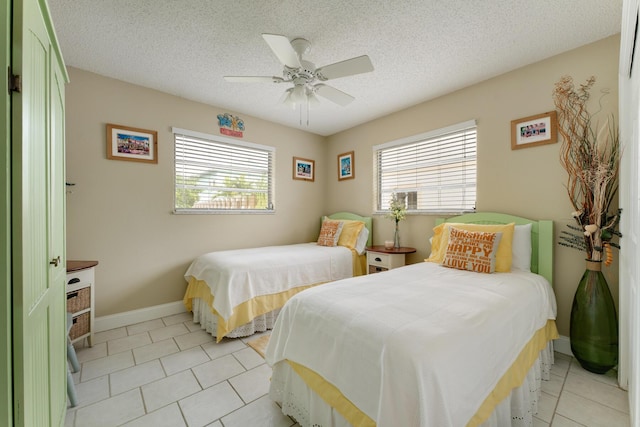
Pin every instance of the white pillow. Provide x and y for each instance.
(361, 241)
(521, 248)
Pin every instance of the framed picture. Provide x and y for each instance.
(132, 144)
(535, 130)
(346, 166)
(303, 169)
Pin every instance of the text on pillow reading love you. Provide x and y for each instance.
(471, 250)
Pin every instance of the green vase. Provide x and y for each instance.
(594, 322)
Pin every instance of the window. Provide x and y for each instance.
(434, 172)
(222, 175)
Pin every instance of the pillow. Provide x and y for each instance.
(472, 250)
(361, 243)
(503, 255)
(330, 233)
(521, 248)
(350, 232)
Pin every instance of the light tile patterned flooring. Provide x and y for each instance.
(169, 372)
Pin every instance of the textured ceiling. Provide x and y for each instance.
(420, 49)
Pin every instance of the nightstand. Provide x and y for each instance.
(80, 292)
(380, 258)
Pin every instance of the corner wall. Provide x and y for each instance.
(120, 213)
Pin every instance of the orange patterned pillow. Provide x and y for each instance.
(503, 255)
(472, 250)
(330, 233)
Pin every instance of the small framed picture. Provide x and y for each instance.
(132, 144)
(303, 169)
(346, 166)
(535, 130)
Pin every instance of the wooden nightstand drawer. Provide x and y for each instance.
(80, 278)
(378, 259)
(381, 259)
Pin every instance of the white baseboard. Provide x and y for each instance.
(563, 345)
(112, 321)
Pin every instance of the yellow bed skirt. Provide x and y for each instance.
(242, 313)
(512, 379)
(255, 307)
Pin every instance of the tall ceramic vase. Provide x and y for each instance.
(594, 322)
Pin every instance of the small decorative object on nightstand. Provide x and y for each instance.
(80, 289)
(380, 258)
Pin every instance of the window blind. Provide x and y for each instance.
(432, 172)
(217, 174)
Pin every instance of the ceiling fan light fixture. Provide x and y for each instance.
(312, 99)
(287, 99)
(298, 94)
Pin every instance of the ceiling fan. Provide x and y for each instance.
(306, 78)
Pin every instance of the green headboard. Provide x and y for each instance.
(355, 217)
(541, 237)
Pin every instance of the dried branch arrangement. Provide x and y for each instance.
(591, 156)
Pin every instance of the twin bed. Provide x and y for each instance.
(240, 292)
(421, 345)
(424, 345)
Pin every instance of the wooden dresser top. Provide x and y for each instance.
(80, 265)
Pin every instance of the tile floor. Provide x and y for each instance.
(168, 372)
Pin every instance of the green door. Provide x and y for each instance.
(39, 345)
(6, 399)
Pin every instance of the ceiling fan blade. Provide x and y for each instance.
(254, 79)
(349, 67)
(333, 94)
(281, 46)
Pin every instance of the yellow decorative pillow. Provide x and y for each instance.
(503, 255)
(350, 231)
(472, 250)
(330, 232)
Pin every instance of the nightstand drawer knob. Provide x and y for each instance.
(378, 259)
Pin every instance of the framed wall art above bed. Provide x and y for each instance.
(532, 131)
(304, 169)
(346, 166)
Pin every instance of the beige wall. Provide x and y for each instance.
(120, 212)
(527, 182)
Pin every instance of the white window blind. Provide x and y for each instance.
(218, 174)
(433, 172)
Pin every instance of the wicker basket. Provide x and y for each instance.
(80, 326)
(375, 269)
(79, 300)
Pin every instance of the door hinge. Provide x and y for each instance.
(15, 82)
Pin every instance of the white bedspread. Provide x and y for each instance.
(421, 345)
(237, 276)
